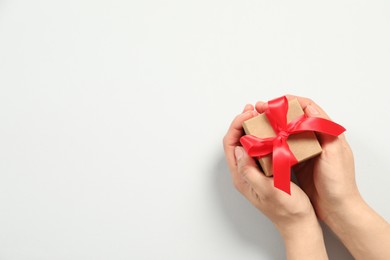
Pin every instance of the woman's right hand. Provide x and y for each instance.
(329, 182)
(329, 179)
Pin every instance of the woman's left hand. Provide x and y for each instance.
(293, 215)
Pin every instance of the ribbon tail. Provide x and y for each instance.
(257, 147)
(283, 159)
(317, 124)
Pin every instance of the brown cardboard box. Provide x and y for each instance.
(303, 145)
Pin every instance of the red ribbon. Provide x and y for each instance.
(282, 157)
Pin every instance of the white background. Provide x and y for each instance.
(112, 115)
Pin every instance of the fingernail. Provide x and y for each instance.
(312, 110)
(238, 153)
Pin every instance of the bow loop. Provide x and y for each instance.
(277, 113)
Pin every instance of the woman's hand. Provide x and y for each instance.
(293, 215)
(329, 181)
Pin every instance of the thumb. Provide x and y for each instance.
(313, 110)
(247, 168)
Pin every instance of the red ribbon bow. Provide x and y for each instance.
(282, 157)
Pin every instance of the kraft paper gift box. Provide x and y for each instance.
(303, 145)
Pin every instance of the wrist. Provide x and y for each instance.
(364, 233)
(307, 225)
(342, 211)
(304, 240)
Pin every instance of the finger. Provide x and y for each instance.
(232, 137)
(248, 107)
(261, 106)
(248, 170)
(313, 110)
(309, 106)
(235, 130)
(304, 102)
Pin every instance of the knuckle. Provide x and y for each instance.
(245, 170)
(255, 194)
(237, 117)
(261, 197)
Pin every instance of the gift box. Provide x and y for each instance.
(283, 136)
(303, 145)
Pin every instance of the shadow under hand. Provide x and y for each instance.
(244, 219)
(334, 247)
